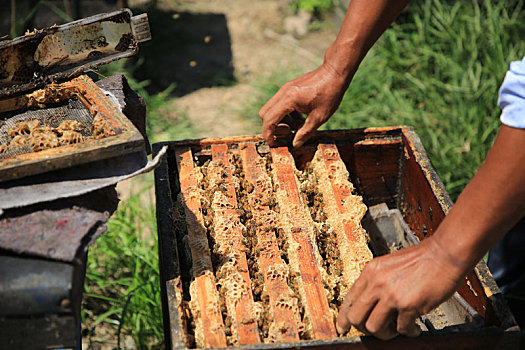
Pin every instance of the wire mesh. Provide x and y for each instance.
(51, 117)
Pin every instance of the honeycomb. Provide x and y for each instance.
(282, 246)
(41, 129)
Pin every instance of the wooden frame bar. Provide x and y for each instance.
(300, 246)
(203, 290)
(283, 305)
(228, 233)
(344, 211)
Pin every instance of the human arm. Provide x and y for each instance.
(394, 290)
(318, 94)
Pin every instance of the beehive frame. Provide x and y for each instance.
(386, 165)
(127, 138)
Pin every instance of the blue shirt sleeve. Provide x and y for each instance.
(512, 96)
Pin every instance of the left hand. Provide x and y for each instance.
(395, 289)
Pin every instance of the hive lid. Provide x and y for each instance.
(59, 53)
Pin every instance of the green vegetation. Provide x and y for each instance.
(122, 288)
(312, 6)
(439, 69)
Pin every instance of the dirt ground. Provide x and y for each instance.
(258, 50)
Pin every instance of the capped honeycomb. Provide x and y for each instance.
(271, 250)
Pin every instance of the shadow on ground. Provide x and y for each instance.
(190, 50)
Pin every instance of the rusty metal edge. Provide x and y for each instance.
(50, 30)
(73, 72)
(173, 330)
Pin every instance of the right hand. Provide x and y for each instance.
(395, 289)
(316, 94)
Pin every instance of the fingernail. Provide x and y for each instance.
(297, 144)
(340, 330)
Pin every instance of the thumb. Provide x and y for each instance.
(305, 132)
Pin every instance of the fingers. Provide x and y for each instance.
(270, 121)
(381, 322)
(343, 321)
(376, 317)
(312, 123)
(285, 130)
(373, 309)
(271, 103)
(406, 324)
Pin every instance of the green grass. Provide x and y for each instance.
(122, 288)
(439, 69)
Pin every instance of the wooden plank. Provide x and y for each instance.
(175, 322)
(209, 327)
(347, 136)
(377, 168)
(228, 234)
(301, 251)
(283, 305)
(425, 203)
(344, 211)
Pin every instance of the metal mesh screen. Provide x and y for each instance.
(71, 109)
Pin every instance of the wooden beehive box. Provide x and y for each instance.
(273, 224)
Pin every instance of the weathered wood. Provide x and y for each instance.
(240, 305)
(132, 104)
(127, 140)
(301, 246)
(174, 316)
(283, 304)
(376, 163)
(424, 205)
(209, 327)
(415, 179)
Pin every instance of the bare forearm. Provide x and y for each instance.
(491, 204)
(364, 23)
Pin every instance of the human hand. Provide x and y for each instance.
(395, 289)
(316, 94)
